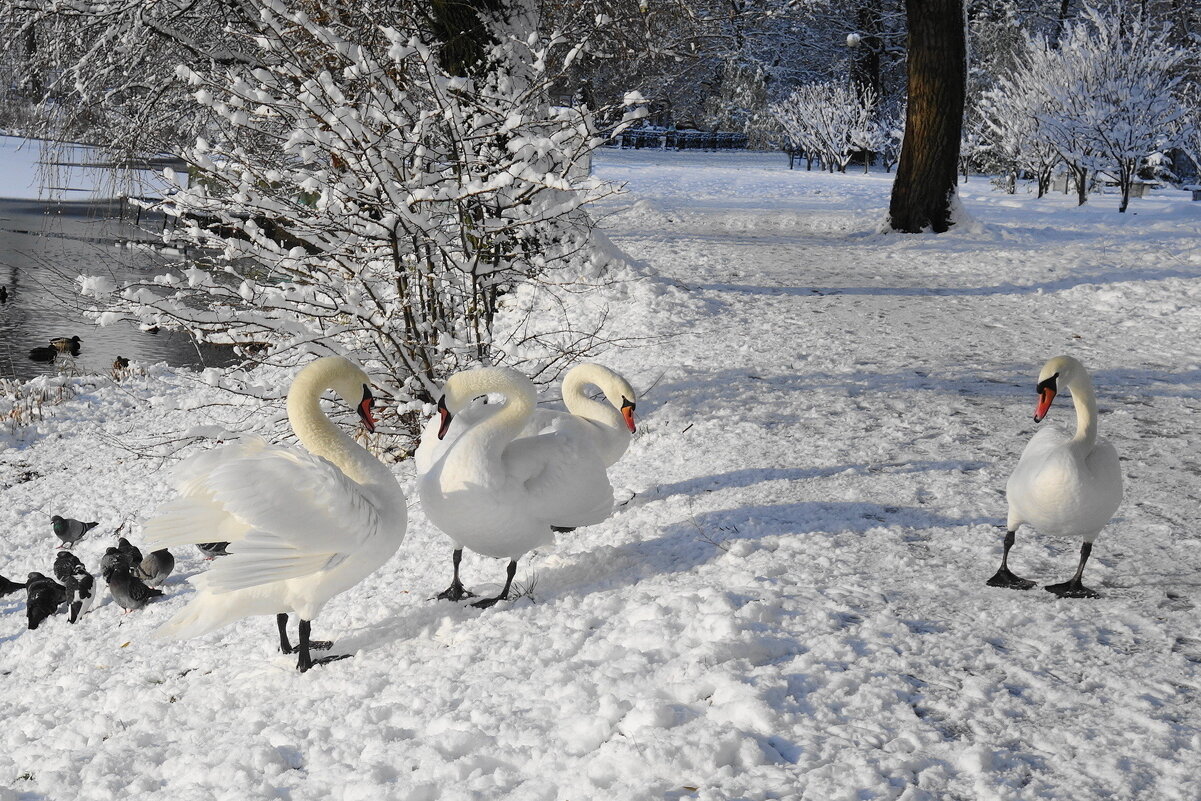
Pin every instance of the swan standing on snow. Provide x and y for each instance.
(1066, 486)
(302, 526)
(609, 426)
(499, 493)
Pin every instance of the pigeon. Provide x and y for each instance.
(131, 552)
(129, 591)
(212, 550)
(43, 598)
(65, 345)
(81, 591)
(45, 354)
(64, 566)
(7, 587)
(155, 568)
(70, 530)
(112, 560)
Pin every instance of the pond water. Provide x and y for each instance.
(43, 247)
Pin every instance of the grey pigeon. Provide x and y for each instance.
(7, 587)
(64, 565)
(156, 567)
(129, 591)
(70, 530)
(43, 597)
(112, 560)
(81, 591)
(131, 552)
(212, 550)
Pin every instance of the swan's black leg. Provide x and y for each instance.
(1004, 577)
(281, 620)
(504, 594)
(1073, 587)
(456, 591)
(306, 660)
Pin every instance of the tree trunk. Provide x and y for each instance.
(926, 175)
(459, 25)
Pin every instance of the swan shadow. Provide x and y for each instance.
(681, 547)
(750, 476)
(688, 544)
(1005, 288)
(1013, 381)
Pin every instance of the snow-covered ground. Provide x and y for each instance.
(789, 601)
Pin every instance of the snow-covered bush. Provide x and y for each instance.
(1104, 98)
(357, 198)
(1010, 125)
(829, 118)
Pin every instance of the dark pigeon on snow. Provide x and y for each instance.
(70, 530)
(81, 592)
(129, 591)
(64, 565)
(131, 552)
(43, 597)
(112, 560)
(7, 587)
(155, 568)
(212, 550)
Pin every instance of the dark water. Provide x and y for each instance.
(42, 250)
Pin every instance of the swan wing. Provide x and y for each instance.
(564, 480)
(290, 510)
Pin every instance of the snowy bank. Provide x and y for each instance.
(789, 602)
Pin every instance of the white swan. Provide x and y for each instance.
(609, 427)
(302, 526)
(1066, 486)
(499, 493)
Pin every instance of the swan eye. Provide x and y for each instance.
(626, 403)
(367, 393)
(1049, 383)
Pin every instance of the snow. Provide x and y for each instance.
(789, 601)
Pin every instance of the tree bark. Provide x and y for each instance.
(459, 25)
(927, 173)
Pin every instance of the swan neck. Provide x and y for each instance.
(493, 433)
(320, 436)
(581, 405)
(1085, 400)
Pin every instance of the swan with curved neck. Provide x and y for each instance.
(498, 492)
(1065, 486)
(609, 426)
(303, 524)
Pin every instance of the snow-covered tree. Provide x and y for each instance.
(355, 197)
(828, 118)
(1108, 94)
(1010, 125)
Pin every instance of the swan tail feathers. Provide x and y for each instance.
(254, 567)
(188, 521)
(199, 617)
